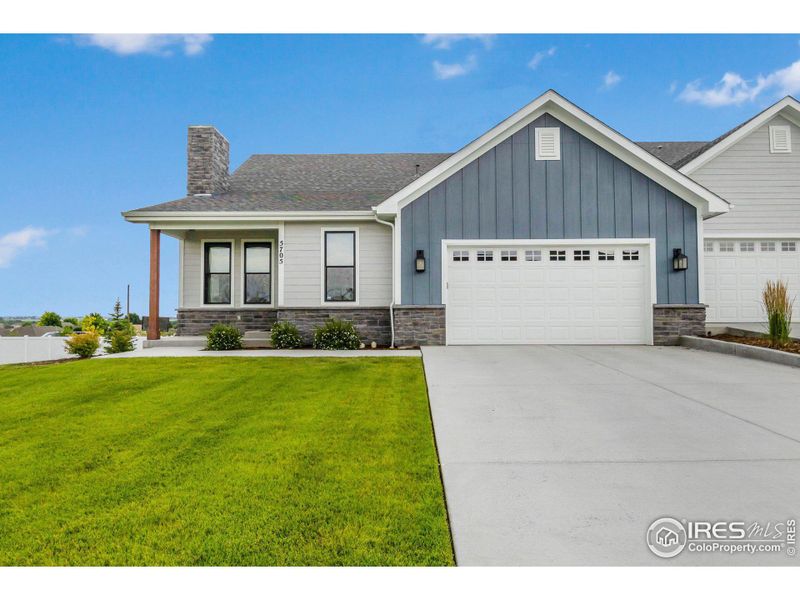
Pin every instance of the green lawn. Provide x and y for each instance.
(219, 461)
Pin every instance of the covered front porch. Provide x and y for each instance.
(227, 274)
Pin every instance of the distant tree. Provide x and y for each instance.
(94, 322)
(117, 314)
(73, 320)
(50, 319)
(26, 323)
(135, 319)
(118, 322)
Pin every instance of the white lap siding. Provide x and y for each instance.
(303, 263)
(763, 187)
(193, 260)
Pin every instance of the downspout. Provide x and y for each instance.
(391, 304)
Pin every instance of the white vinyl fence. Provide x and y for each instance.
(31, 349)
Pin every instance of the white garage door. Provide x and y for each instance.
(735, 274)
(548, 294)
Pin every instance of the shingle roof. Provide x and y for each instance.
(324, 182)
(318, 182)
(672, 153)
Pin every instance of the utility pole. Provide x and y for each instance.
(128, 304)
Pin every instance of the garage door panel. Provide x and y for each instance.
(570, 301)
(734, 280)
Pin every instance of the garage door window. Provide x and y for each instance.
(605, 255)
(508, 255)
(726, 247)
(747, 246)
(460, 255)
(558, 255)
(708, 246)
(788, 246)
(768, 246)
(581, 255)
(533, 255)
(630, 255)
(485, 256)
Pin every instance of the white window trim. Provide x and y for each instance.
(772, 131)
(322, 233)
(556, 132)
(648, 243)
(203, 243)
(272, 270)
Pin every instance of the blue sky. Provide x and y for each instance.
(94, 125)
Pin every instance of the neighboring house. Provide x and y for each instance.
(549, 228)
(755, 167)
(33, 330)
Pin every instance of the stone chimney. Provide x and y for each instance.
(209, 158)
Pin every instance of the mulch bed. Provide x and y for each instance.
(793, 346)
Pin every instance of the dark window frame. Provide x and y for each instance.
(245, 272)
(326, 266)
(207, 272)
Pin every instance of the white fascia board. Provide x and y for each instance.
(610, 140)
(249, 218)
(789, 108)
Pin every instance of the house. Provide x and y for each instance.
(666, 537)
(756, 167)
(551, 227)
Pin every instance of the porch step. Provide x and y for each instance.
(257, 339)
(176, 341)
(251, 339)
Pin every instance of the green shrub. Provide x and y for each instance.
(336, 335)
(286, 335)
(778, 306)
(224, 337)
(94, 322)
(73, 320)
(83, 344)
(50, 319)
(66, 330)
(135, 318)
(119, 341)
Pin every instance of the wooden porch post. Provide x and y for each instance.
(153, 332)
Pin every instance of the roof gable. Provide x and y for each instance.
(601, 134)
(788, 107)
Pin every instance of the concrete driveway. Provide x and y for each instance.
(564, 455)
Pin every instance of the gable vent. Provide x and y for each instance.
(780, 139)
(548, 143)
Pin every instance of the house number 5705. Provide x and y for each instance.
(280, 252)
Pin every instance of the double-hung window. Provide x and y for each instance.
(217, 273)
(340, 266)
(257, 272)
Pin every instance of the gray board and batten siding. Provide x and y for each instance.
(507, 194)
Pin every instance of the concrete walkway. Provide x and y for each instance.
(564, 455)
(199, 352)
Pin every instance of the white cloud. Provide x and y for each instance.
(126, 44)
(448, 71)
(79, 230)
(611, 79)
(540, 56)
(673, 87)
(11, 244)
(445, 41)
(735, 89)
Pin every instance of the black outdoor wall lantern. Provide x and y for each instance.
(420, 261)
(680, 262)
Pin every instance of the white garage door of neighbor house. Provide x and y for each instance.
(736, 271)
(548, 294)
